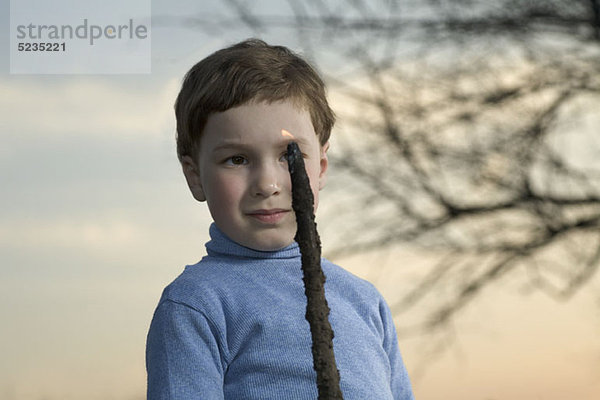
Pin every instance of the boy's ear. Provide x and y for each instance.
(324, 162)
(192, 176)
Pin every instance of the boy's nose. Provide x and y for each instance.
(268, 190)
(267, 183)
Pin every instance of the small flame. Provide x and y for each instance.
(286, 133)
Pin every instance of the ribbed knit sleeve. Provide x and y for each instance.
(183, 357)
(399, 380)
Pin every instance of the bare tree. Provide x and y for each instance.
(461, 126)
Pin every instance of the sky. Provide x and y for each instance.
(96, 219)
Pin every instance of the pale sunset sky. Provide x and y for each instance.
(96, 219)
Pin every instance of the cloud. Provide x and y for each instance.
(77, 106)
(82, 233)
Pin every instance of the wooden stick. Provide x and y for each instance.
(317, 310)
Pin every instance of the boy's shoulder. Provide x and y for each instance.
(344, 285)
(199, 283)
(214, 280)
(346, 279)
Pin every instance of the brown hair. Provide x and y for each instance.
(249, 70)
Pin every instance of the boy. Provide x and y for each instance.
(232, 326)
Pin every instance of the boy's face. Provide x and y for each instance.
(241, 171)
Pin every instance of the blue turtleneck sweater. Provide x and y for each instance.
(232, 327)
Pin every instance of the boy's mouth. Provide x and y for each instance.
(270, 216)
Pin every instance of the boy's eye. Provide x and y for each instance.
(236, 160)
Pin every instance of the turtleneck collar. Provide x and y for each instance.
(221, 245)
